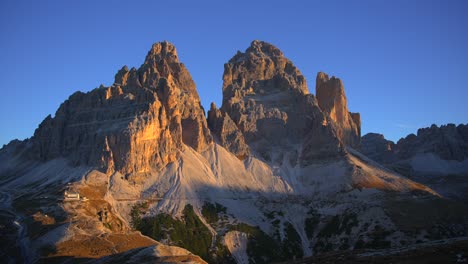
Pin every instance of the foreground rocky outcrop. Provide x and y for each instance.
(133, 126)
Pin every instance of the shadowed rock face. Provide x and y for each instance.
(267, 98)
(133, 126)
(332, 100)
(376, 147)
(227, 133)
(449, 142)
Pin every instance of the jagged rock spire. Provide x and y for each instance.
(332, 100)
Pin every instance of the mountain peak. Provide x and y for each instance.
(154, 109)
(259, 47)
(162, 50)
(262, 61)
(336, 83)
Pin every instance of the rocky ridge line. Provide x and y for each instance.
(136, 125)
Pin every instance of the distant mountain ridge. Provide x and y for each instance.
(449, 142)
(436, 156)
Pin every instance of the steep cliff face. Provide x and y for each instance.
(226, 131)
(376, 147)
(332, 101)
(268, 99)
(136, 125)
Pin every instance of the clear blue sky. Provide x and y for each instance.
(404, 63)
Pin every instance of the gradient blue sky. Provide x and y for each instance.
(404, 63)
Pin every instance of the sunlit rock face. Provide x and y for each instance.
(267, 98)
(332, 101)
(133, 126)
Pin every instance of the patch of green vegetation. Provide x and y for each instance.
(271, 215)
(435, 215)
(292, 246)
(276, 229)
(336, 226)
(261, 248)
(221, 254)
(136, 212)
(276, 223)
(331, 228)
(339, 224)
(311, 224)
(210, 211)
(188, 232)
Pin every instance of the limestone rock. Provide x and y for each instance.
(435, 156)
(267, 98)
(332, 100)
(133, 126)
(449, 142)
(376, 147)
(226, 131)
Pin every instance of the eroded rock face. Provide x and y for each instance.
(227, 133)
(332, 101)
(376, 147)
(136, 125)
(268, 99)
(449, 142)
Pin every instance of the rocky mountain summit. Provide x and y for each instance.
(268, 99)
(133, 126)
(272, 175)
